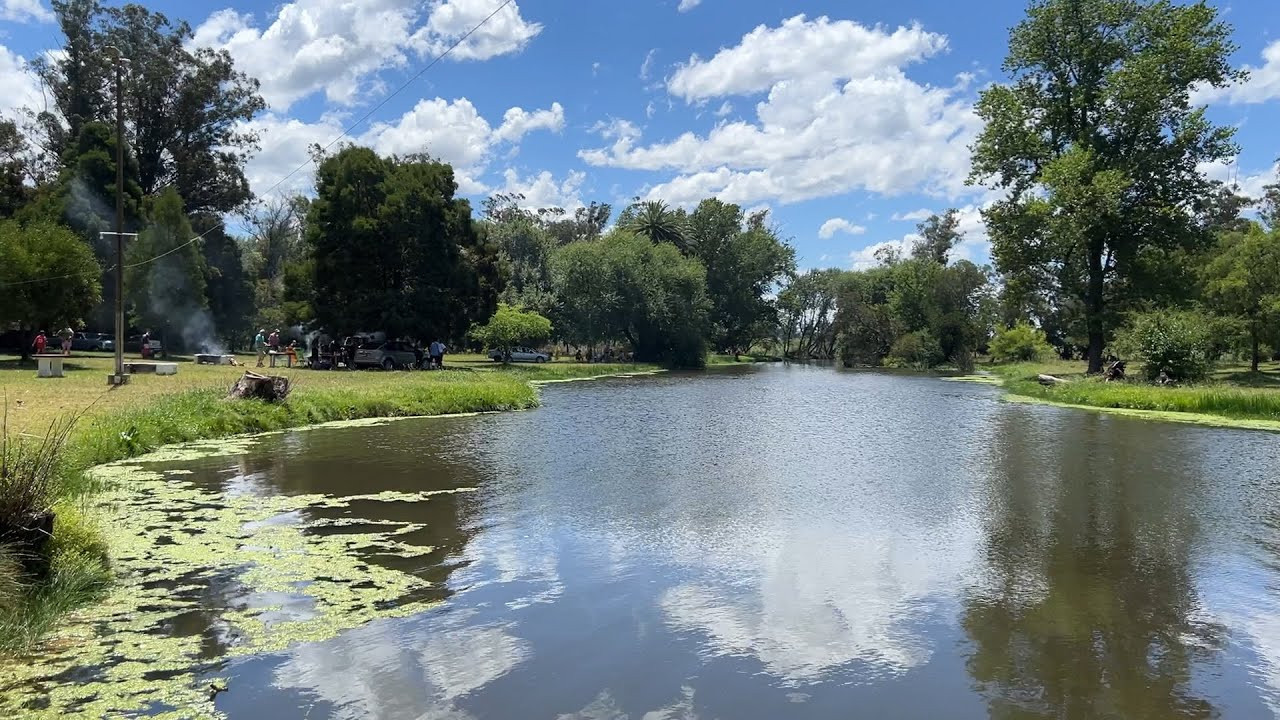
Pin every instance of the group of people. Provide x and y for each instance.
(607, 355)
(264, 343)
(41, 343)
(326, 354)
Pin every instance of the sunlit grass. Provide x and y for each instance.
(1255, 399)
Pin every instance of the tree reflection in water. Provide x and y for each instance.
(1087, 608)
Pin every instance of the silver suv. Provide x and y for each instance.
(386, 355)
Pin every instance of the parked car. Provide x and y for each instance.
(521, 354)
(101, 342)
(134, 344)
(386, 355)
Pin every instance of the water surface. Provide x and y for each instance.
(764, 543)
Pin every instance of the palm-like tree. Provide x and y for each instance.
(654, 220)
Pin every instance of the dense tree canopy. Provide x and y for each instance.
(623, 286)
(184, 107)
(48, 277)
(1243, 281)
(394, 250)
(165, 276)
(744, 265)
(1097, 146)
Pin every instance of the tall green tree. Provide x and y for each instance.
(526, 247)
(165, 276)
(228, 287)
(48, 278)
(1243, 280)
(14, 191)
(626, 287)
(83, 197)
(394, 250)
(1096, 144)
(185, 108)
(938, 235)
(807, 313)
(744, 262)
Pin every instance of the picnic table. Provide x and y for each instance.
(288, 358)
(49, 364)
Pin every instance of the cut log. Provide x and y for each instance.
(1050, 380)
(1115, 371)
(271, 388)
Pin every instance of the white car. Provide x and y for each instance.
(521, 354)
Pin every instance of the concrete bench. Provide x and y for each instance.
(49, 365)
(158, 368)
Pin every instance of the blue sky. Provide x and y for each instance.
(847, 119)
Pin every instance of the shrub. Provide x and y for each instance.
(1021, 343)
(919, 349)
(1183, 345)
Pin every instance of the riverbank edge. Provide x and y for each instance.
(1030, 392)
(80, 570)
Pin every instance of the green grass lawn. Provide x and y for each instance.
(1232, 391)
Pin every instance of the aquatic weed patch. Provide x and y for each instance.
(198, 568)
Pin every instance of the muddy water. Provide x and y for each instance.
(773, 543)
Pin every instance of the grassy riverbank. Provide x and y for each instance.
(154, 411)
(1232, 393)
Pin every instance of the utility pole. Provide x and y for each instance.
(119, 378)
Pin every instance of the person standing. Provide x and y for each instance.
(146, 345)
(67, 334)
(40, 343)
(437, 354)
(260, 345)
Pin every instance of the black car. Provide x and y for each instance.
(101, 342)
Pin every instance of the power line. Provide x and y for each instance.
(308, 161)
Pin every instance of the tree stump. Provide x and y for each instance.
(1115, 372)
(272, 388)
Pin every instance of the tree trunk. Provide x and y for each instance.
(1093, 309)
(1253, 338)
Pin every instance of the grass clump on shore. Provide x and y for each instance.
(1217, 397)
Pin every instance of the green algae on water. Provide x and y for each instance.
(206, 574)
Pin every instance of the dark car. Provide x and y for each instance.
(386, 355)
(101, 342)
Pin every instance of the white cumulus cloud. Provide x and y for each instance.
(1262, 86)
(687, 5)
(799, 48)
(453, 131)
(24, 11)
(18, 87)
(310, 46)
(542, 190)
(503, 33)
(840, 115)
(914, 215)
(517, 122)
(839, 225)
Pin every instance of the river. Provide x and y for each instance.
(782, 542)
